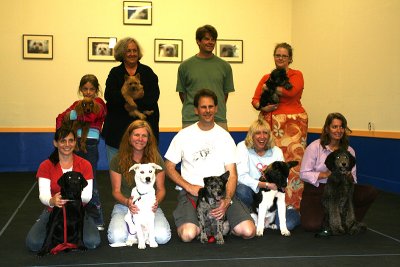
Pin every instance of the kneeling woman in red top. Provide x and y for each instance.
(60, 161)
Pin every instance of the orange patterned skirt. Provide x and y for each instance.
(290, 135)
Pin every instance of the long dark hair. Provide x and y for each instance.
(325, 137)
(60, 133)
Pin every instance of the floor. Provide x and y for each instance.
(379, 246)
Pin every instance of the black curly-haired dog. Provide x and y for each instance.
(337, 198)
(72, 184)
(269, 95)
(208, 199)
(268, 201)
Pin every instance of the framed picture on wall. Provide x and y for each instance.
(168, 50)
(230, 50)
(137, 12)
(101, 48)
(37, 46)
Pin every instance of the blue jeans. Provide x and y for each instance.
(246, 195)
(118, 230)
(37, 234)
(94, 206)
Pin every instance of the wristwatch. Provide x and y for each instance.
(230, 200)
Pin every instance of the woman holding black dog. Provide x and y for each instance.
(254, 154)
(128, 52)
(138, 145)
(314, 173)
(60, 161)
(288, 119)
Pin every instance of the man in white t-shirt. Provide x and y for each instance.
(205, 149)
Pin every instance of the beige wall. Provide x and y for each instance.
(348, 52)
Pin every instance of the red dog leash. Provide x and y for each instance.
(211, 239)
(65, 245)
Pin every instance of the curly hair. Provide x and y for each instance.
(259, 125)
(150, 153)
(122, 46)
(288, 47)
(325, 138)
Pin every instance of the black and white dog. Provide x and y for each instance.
(208, 199)
(268, 201)
(71, 215)
(144, 196)
(337, 198)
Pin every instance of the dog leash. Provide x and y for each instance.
(65, 245)
(211, 239)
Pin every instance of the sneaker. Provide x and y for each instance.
(100, 227)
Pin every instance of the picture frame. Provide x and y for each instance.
(230, 50)
(137, 12)
(168, 50)
(101, 48)
(35, 46)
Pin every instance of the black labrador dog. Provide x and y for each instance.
(337, 198)
(208, 199)
(58, 237)
(269, 95)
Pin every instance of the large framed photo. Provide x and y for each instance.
(101, 48)
(37, 46)
(230, 50)
(168, 50)
(137, 12)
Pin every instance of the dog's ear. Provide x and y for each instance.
(82, 180)
(134, 167)
(292, 163)
(225, 176)
(155, 166)
(330, 161)
(126, 77)
(137, 75)
(206, 180)
(61, 180)
(352, 160)
(96, 107)
(78, 108)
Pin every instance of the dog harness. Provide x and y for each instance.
(65, 245)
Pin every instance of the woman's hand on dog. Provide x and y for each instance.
(270, 108)
(57, 200)
(155, 206)
(132, 207)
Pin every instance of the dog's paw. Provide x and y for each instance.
(141, 245)
(260, 231)
(153, 244)
(203, 238)
(285, 232)
(132, 239)
(220, 239)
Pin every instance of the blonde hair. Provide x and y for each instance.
(150, 153)
(259, 125)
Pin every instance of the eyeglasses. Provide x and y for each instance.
(281, 56)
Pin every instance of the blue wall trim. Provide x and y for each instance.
(376, 157)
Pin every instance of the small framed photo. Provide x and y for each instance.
(101, 48)
(37, 46)
(230, 50)
(137, 12)
(168, 50)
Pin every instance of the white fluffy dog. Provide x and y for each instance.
(102, 49)
(168, 50)
(144, 197)
(38, 46)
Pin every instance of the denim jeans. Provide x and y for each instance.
(94, 206)
(246, 195)
(111, 152)
(37, 234)
(118, 230)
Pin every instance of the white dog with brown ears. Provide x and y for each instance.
(141, 224)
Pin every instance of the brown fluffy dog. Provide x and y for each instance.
(131, 91)
(85, 106)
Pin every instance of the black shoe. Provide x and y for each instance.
(323, 234)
